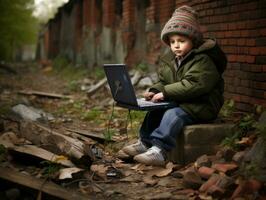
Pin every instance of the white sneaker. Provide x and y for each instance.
(135, 149)
(153, 156)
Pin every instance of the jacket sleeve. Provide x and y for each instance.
(199, 80)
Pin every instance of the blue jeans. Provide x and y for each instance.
(161, 127)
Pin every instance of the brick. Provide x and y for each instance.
(250, 59)
(211, 181)
(263, 32)
(260, 41)
(261, 60)
(256, 68)
(225, 167)
(206, 172)
(251, 42)
(254, 51)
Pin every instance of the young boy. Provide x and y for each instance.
(190, 74)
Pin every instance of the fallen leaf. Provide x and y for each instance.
(161, 171)
(67, 172)
(148, 180)
(100, 170)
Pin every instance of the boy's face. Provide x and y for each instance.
(180, 45)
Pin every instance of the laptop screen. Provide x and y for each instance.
(120, 83)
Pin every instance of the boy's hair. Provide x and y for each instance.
(183, 22)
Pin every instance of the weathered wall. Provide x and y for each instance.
(93, 32)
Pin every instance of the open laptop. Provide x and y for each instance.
(123, 92)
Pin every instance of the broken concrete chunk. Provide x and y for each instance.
(192, 180)
(203, 160)
(135, 79)
(30, 113)
(145, 82)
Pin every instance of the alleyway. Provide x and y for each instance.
(86, 118)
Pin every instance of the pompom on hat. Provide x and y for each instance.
(183, 21)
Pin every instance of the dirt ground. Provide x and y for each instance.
(106, 177)
(128, 180)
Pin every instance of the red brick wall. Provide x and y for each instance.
(238, 25)
(240, 29)
(108, 13)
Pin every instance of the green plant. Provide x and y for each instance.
(73, 86)
(142, 67)
(92, 114)
(242, 127)
(50, 168)
(227, 109)
(108, 134)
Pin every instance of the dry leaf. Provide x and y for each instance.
(67, 172)
(100, 170)
(148, 180)
(161, 171)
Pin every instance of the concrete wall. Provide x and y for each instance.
(92, 32)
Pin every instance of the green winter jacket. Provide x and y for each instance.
(196, 84)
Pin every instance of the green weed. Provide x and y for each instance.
(50, 169)
(66, 70)
(227, 109)
(142, 67)
(241, 129)
(93, 114)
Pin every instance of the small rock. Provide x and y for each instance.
(192, 180)
(145, 82)
(203, 160)
(228, 154)
(238, 157)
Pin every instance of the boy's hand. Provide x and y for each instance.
(148, 95)
(157, 97)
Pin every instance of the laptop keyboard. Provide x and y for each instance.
(143, 102)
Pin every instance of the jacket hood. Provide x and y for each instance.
(212, 49)
(209, 47)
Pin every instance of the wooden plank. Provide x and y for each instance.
(40, 185)
(96, 87)
(45, 94)
(9, 140)
(98, 137)
(43, 154)
(53, 141)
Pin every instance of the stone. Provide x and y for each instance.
(31, 113)
(202, 134)
(203, 160)
(192, 180)
(145, 82)
(228, 154)
(238, 157)
(197, 140)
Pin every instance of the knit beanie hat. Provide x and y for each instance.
(183, 21)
